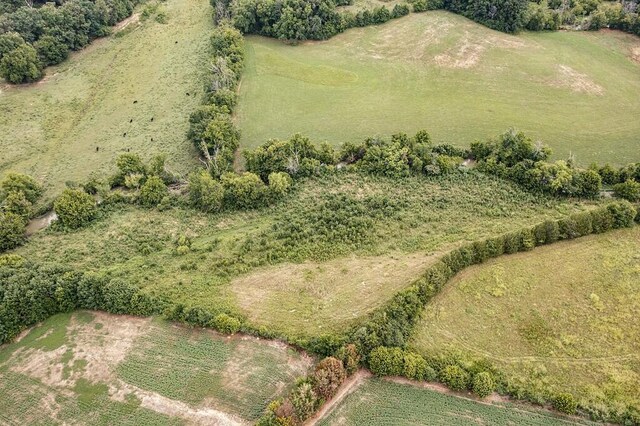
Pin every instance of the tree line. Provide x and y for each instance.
(34, 36)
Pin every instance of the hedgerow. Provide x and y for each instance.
(382, 338)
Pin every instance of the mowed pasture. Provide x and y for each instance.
(562, 317)
(285, 267)
(383, 402)
(575, 91)
(131, 91)
(91, 367)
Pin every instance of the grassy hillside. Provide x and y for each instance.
(103, 369)
(339, 226)
(562, 317)
(135, 82)
(576, 91)
(379, 402)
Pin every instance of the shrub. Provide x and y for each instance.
(629, 190)
(205, 193)
(153, 191)
(12, 227)
(328, 376)
(51, 50)
(226, 324)
(385, 361)
(128, 164)
(415, 367)
(17, 182)
(455, 377)
(16, 203)
(483, 384)
(243, 191)
(304, 401)
(75, 208)
(279, 184)
(21, 65)
(622, 214)
(350, 358)
(565, 403)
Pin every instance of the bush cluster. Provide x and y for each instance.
(309, 393)
(32, 38)
(514, 156)
(583, 15)
(18, 192)
(508, 16)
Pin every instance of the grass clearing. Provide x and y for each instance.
(457, 79)
(382, 402)
(116, 369)
(412, 218)
(562, 317)
(134, 83)
(314, 297)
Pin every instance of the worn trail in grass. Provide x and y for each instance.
(131, 91)
(576, 91)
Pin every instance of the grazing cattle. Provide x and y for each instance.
(97, 148)
(131, 121)
(135, 102)
(188, 94)
(151, 118)
(124, 135)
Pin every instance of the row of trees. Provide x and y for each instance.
(211, 128)
(304, 19)
(382, 339)
(584, 14)
(32, 37)
(514, 156)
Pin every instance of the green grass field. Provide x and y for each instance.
(51, 129)
(576, 91)
(95, 368)
(561, 317)
(250, 264)
(380, 402)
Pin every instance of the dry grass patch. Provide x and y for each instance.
(311, 297)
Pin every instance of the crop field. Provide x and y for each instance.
(457, 79)
(381, 402)
(236, 259)
(562, 317)
(104, 369)
(130, 91)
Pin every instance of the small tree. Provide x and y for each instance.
(205, 193)
(21, 65)
(16, 203)
(17, 182)
(455, 377)
(304, 401)
(12, 228)
(279, 183)
(629, 190)
(350, 358)
(328, 376)
(75, 208)
(483, 384)
(153, 191)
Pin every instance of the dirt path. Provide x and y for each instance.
(345, 389)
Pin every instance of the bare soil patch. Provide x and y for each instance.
(576, 81)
